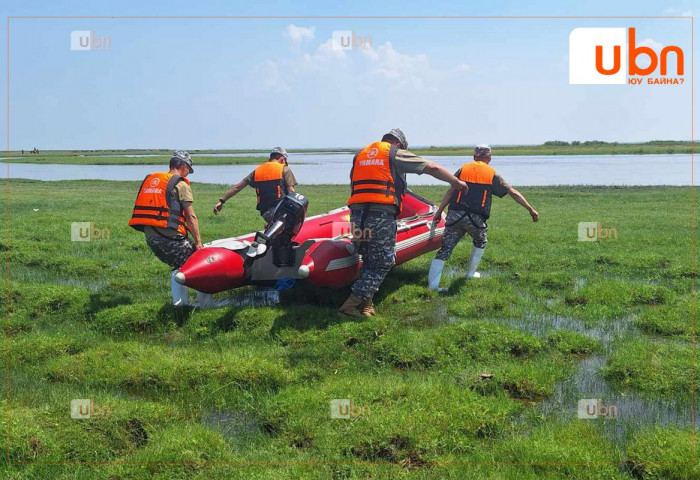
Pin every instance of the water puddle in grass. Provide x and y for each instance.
(249, 298)
(543, 325)
(440, 316)
(629, 411)
(233, 425)
(637, 281)
(30, 274)
(454, 273)
(632, 410)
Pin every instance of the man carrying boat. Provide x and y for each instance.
(272, 180)
(469, 212)
(377, 182)
(163, 212)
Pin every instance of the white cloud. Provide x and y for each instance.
(390, 64)
(298, 34)
(653, 44)
(362, 69)
(326, 52)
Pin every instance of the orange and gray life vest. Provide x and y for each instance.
(374, 179)
(157, 206)
(479, 177)
(268, 181)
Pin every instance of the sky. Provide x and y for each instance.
(197, 83)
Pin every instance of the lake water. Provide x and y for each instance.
(334, 168)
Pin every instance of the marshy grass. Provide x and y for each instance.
(481, 382)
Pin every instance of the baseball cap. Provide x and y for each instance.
(482, 150)
(281, 151)
(398, 135)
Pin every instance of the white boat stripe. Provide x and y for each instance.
(339, 263)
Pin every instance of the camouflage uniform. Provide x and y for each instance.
(377, 250)
(456, 228)
(173, 251)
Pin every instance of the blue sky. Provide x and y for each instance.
(256, 83)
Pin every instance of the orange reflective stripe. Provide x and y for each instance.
(483, 199)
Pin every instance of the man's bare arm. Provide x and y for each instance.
(445, 201)
(520, 199)
(192, 224)
(441, 173)
(233, 191)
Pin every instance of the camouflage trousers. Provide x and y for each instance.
(457, 225)
(376, 243)
(173, 251)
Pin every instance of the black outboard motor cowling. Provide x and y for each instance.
(292, 211)
(287, 220)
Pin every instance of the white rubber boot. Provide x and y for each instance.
(434, 275)
(204, 300)
(474, 260)
(179, 292)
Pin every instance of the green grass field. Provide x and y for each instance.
(244, 392)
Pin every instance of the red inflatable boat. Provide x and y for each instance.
(317, 249)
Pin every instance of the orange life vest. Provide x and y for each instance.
(479, 177)
(374, 179)
(156, 206)
(268, 181)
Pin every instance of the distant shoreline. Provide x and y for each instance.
(592, 148)
(110, 158)
(159, 156)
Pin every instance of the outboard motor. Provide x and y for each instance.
(287, 220)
